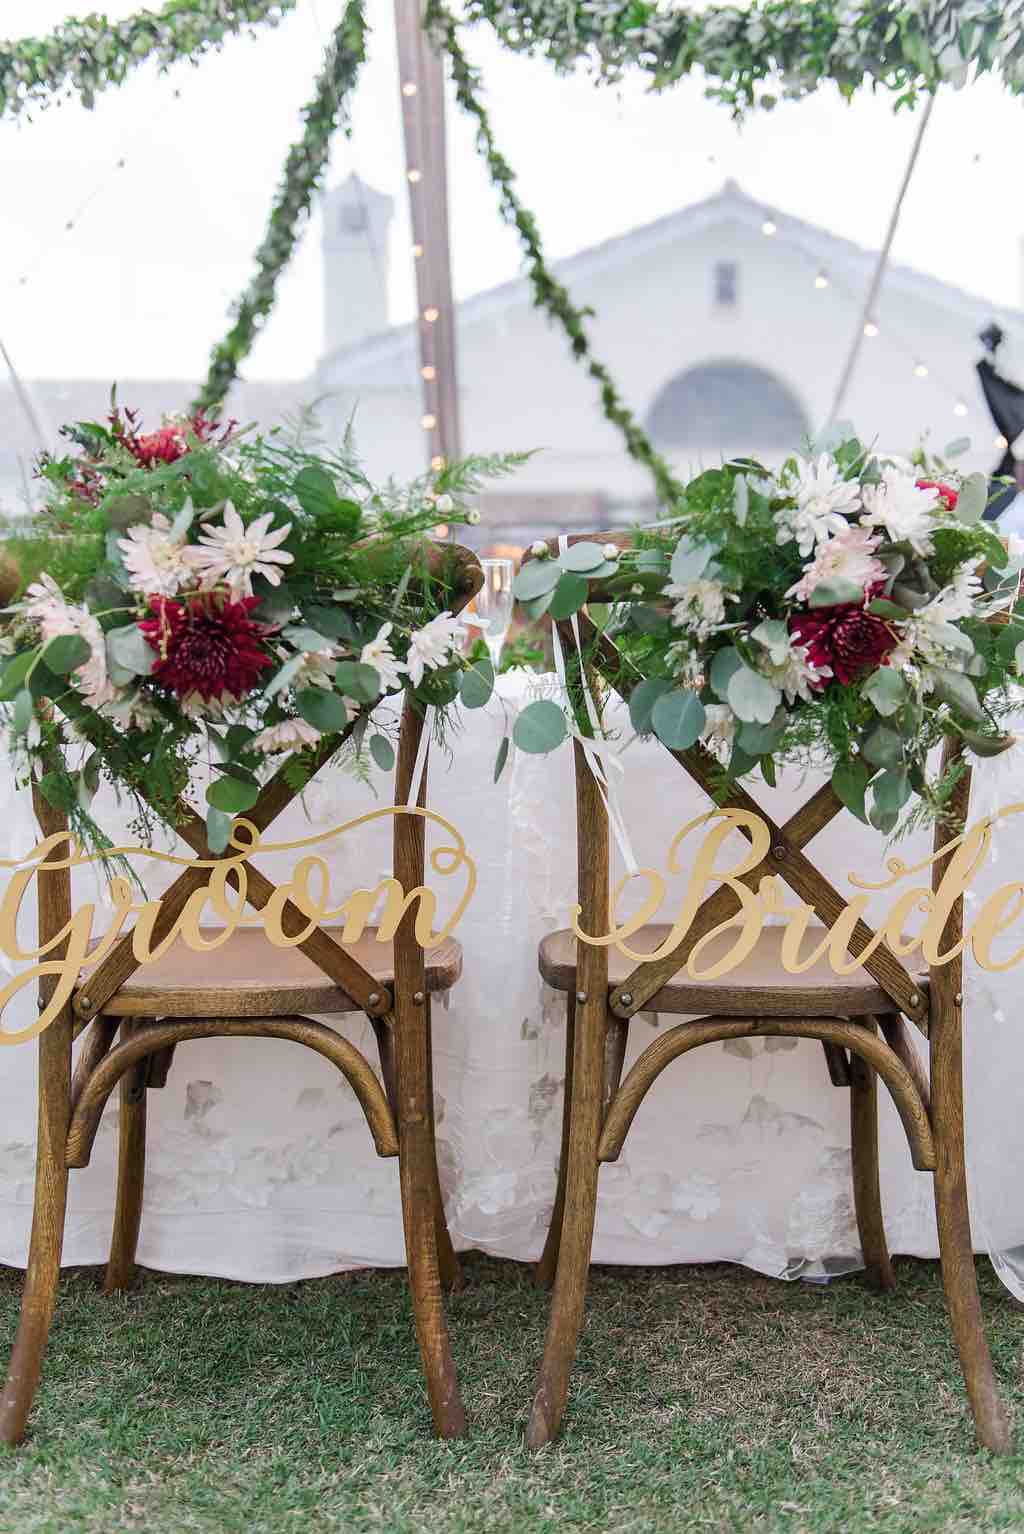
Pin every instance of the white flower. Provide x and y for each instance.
(822, 497)
(610, 551)
(315, 670)
(796, 676)
(444, 504)
(379, 654)
(157, 563)
(289, 735)
(700, 605)
(847, 557)
(906, 512)
(198, 707)
(931, 635)
(538, 548)
(46, 606)
(957, 600)
(719, 729)
(472, 517)
(433, 645)
(235, 553)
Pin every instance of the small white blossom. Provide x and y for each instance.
(289, 735)
(610, 551)
(822, 498)
(796, 676)
(433, 645)
(538, 548)
(445, 504)
(157, 562)
(699, 605)
(906, 512)
(847, 557)
(719, 729)
(234, 553)
(46, 606)
(379, 654)
(473, 518)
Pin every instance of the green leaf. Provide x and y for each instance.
(324, 710)
(535, 607)
(957, 447)
(125, 511)
(24, 707)
(889, 793)
(541, 727)
(954, 688)
(568, 596)
(537, 578)
(883, 747)
(881, 607)
(335, 621)
(357, 681)
(724, 667)
(768, 770)
(689, 560)
(678, 719)
(833, 593)
(66, 653)
(129, 651)
(281, 679)
(849, 782)
(886, 690)
(773, 635)
(15, 672)
(987, 745)
(751, 697)
(218, 829)
(582, 557)
(315, 491)
(762, 739)
(501, 758)
(972, 500)
(477, 684)
(305, 639)
(383, 752)
(232, 795)
(642, 700)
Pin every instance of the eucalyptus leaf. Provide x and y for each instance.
(305, 639)
(889, 793)
(835, 592)
(568, 596)
(678, 719)
(324, 710)
(540, 728)
(536, 579)
(752, 697)
(232, 795)
(357, 681)
(383, 752)
(954, 688)
(501, 758)
(886, 690)
(957, 447)
(762, 739)
(642, 700)
(129, 650)
(334, 621)
(14, 673)
(24, 708)
(724, 667)
(883, 747)
(973, 499)
(535, 607)
(477, 684)
(66, 652)
(281, 679)
(689, 560)
(881, 607)
(987, 745)
(218, 830)
(773, 635)
(849, 782)
(582, 558)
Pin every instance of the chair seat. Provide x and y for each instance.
(250, 977)
(758, 986)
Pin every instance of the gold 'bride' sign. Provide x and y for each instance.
(967, 854)
(221, 899)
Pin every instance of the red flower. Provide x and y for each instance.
(847, 639)
(206, 644)
(947, 495)
(169, 443)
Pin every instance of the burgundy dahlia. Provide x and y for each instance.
(847, 639)
(206, 644)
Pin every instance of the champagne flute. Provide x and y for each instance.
(494, 603)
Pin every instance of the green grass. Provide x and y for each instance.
(703, 1398)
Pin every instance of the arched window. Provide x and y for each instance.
(728, 405)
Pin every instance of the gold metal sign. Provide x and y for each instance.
(968, 854)
(221, 899)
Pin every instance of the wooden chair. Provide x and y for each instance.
(246, 988)
(861, 1021)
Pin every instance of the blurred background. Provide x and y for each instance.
(727, 266)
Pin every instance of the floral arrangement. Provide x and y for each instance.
(847, 608)
(199, 594)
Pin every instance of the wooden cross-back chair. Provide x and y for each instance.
(862, 1021)
(247, 987)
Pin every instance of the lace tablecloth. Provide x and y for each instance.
(261, 1167)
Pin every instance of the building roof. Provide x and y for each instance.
(843, 259)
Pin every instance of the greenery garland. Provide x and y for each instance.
(303, 171)
(792, 45)
(88, 54)
(549, 293)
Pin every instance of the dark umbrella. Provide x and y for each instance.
(1005, 402)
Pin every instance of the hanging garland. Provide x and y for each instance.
(84, 56)
(790, 44)
(303, 170)
(549, 293)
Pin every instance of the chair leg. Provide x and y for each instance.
(577, 1232)
(131, 1175)
(544, 1272)
(867, 1196)
(39, 1297)
(448, 1262)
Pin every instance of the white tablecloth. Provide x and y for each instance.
(261, 1167)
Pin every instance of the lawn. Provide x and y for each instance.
(703, 1398)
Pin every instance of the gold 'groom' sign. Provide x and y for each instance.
(222, 898)
(967, 854)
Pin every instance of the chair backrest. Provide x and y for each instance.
(54, 885)
(786, 857)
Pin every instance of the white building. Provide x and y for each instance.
(725, 326)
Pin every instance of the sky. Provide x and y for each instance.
(140, 285)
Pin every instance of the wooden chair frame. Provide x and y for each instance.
(399, 1108)
(599, 1107)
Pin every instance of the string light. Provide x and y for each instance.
(870, 328)
(769, 227)
(920, 370)
(821, 281)
(437, 463)
(414, 176)
(1000, 442)
(428, 372)
(959, 408)
(417, 251)
(441, 530)
(428, 422)
(410, 88)
(431, 315)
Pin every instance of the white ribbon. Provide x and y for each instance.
(594, 751)
(412, 798)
